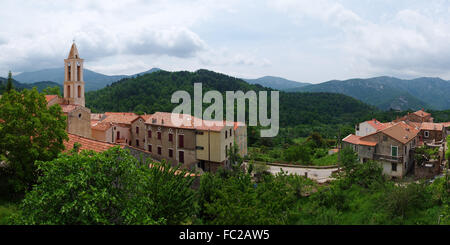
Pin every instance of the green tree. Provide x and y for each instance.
(52, 90)
(30, 131)
(237, 200)
(9, 85)
(111, 187)
(300, 153)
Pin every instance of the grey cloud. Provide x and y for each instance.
(180, 43)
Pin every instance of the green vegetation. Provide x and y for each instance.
(106, 188)
(425, 153)
(114, 188)
(312, 150)
(30, 132)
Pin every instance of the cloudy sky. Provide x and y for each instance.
(307, 41)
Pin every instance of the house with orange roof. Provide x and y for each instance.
(113, 127)
(369, 127)
(432, 132)
(419, 116)
(392, 147)
(203, 146)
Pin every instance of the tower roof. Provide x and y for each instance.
(73, 54)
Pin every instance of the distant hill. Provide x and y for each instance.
(152, 92)
(94, 80)
(390, 92)
(277, 83)
(19, 86)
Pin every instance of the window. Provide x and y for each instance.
(68, 91)
(226, 134)
(69, 78)
(394, 151)
(231, 132)
(149, 133)
(384, 138)
(137, 142)
(181, 156)
(181, 141)
(200, 133)
(159, 135)
(159, 150)
(78, 72)
(150, 148)
(199, 147)
(170, 153)
(226, 150)
(118, 135)
(79, 91)
(394, 167)
(170, 137)
(137, 130)
(426, 134)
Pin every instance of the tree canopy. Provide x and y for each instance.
(30, 131)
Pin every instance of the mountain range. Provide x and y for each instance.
(278, 83)
(39, 85)
(94, 80)
(390, 92)
(383, 92)
(152, 92)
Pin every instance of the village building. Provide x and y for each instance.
(203, 147)
(113, 127)
(432, 132)
(419, 116)
(390, 146)
(369, 127)
(146, 136)
(393, 143)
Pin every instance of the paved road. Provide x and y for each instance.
(319, 175)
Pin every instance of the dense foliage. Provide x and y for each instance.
(106, 188)
(30, 131)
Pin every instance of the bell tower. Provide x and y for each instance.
(73, 78)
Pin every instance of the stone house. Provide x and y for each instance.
(432, 132)
(369, 127)
(194, 147)
(392, 147)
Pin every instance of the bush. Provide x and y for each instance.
(105, 188)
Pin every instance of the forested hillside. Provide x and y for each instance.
(390, 92)
(40, 86)
(152, 92)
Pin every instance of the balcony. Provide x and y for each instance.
(381, 157)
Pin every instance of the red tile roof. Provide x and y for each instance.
(48, 98)
(101, 126)
(87, 144)
(446, 124)
(422, 113)
(356, 140)
(377, 125)
(68, 108)
(187, 121)
(432, 126)
(401, 132)
(120, 117)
